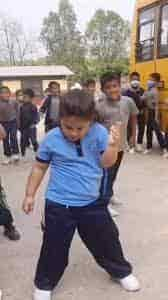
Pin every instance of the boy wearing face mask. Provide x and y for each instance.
(135, 91)
(151, 98)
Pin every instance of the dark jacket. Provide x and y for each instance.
(28, 115)
(46, 108)
(136, 96)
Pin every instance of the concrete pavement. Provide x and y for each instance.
(143, 222)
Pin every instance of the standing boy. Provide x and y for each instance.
(151, 98)
(9, 120)
(76, 152)
(90, 86)
(135, 91)
(51, 106)
(112, 109)
(28, 121)
(6, 218)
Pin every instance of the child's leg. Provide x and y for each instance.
(13, 138)
(59, 230)
(6, 218)
(6, 141)
(159, 135)
(33, 138)
(100, 235)
(23, 141)
(166, 140)
(149, 131)
(109, 179)
(141, 128)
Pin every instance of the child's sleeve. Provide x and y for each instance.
(133, 108)
(103, 139)
(44, 154)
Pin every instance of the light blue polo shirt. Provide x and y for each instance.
(74, 180)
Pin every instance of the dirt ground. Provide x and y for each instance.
(143, 188)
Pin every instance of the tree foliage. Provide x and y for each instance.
(16, 47)
(62, 39)
(107, 36)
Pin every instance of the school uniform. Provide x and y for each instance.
(28, 120)
(9, 120)
(110, 113)
(72, 204)
(51, 109)
(136, 95)
(151, 98)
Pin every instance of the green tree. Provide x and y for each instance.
(107, 37)
(62, 39)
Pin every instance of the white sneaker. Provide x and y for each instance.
(41, 295)
(15, 158)
(24, 159)
(132, 150)
(0, 295)
(113, 212)
(147, 151)
(6, 161)
(130, 283)
(139, 148)
(115, 201)
(165, 153)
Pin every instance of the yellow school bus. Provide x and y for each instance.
(149, 47)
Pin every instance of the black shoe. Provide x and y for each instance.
(11, 233)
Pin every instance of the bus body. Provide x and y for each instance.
(149, 47)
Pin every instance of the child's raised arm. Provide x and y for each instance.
(36, 176)
(109, 157)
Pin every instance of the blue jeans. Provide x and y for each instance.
(10, 143)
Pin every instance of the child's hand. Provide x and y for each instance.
(28, 204)
(115, 135)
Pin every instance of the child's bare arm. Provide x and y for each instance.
(109, 157)
(34, 181)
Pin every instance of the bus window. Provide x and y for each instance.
(145, 47)
(163, 45)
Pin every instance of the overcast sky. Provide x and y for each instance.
(32, 12)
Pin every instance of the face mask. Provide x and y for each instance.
(151, 84)
(135, 84)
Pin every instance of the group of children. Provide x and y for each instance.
(84, 148)
(19, 115)
(84, 156)
(147, 103)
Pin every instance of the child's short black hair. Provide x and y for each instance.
(89, 82)
(155, 76)
(6, 88)
(108, 77)
(77, 103)
(135, 74)
(53, 83)
(29, 92)
(18, 92)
